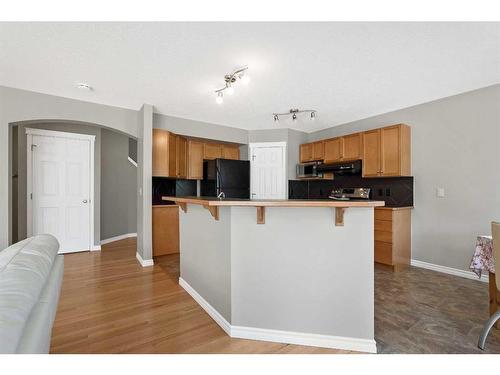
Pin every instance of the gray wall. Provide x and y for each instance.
(118, 186)
(206, 256)
(144, 182)
(22, 171)
(20, 105)
(200, 129)
(454, 146)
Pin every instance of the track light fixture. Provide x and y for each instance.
(231, 79)
(294, 112)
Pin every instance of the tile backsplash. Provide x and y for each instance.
(395, 191)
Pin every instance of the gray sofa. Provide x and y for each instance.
(31, 275)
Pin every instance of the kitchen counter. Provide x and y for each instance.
(209, 201)
(282, 270)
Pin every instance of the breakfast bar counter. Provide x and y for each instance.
(291, 271)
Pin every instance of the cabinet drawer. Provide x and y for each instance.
(383, 252)
(383, 214)
(383, 225)
(383, 236)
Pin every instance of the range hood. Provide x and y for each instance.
(341, 168)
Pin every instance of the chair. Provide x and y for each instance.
(495, 233)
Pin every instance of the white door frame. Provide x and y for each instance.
(30, 132)
(283, 146)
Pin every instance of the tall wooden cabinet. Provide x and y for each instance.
(386, 151)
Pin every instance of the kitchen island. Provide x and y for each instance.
(291, 271)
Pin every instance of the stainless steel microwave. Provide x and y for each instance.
(309, 170)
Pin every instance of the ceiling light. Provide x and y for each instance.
(84, 86)
(245, 79)
(293, 112)
(230, 79)
(219, 99)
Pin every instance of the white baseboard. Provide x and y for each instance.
(214, 314)
(144, 263)
(286, 337)
(307, 339)
(118, 238)
(451, 271)
(96, 248)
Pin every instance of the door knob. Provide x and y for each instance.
(85, 201)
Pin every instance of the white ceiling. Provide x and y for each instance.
(345, 71)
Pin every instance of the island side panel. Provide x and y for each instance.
(205, 255)
(299, 272)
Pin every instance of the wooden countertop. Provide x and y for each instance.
(274, 203)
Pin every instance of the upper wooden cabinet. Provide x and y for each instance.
(352, 146)
(312, 151)
(318, 150)
(334, 149)
(181, 157)
(386, 152)
(231, 152)
(195, 160)
(163, 141)
(306, 152)
(212, 151)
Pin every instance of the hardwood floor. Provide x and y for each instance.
(110, 304)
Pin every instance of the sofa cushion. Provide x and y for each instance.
(24, 271)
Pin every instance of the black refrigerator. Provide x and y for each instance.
(232, 177)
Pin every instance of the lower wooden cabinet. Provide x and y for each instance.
(393, 236)
(165, 230)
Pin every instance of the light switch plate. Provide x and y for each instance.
(440, 192)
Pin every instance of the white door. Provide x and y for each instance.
(61, 190)
(268, 170)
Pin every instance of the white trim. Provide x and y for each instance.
(57, 134)
(118, 238)
(267, 144)
(214, 314)
(450, 271)
(30, 132)
(132, 161)
(96, 248)
(283, 146)
(307, 339)
(144, 263)
(287, 337)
